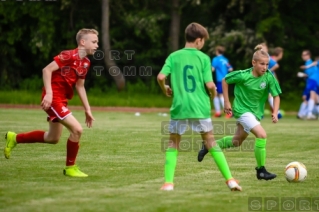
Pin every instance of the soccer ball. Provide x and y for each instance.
(295, 172)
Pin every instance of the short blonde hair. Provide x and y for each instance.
(259, 52)
(83, 32)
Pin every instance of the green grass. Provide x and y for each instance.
(124, 99)
(123, 156)
(289, 102)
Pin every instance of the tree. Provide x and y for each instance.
(114, 70)
(175, 25)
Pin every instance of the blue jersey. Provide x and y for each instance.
(312, 72)
(221, 66)
(272, 63)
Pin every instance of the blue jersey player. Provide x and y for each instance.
(221, 66)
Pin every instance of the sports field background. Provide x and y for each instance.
(123, 155)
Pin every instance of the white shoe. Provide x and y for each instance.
(168, 187)
(311, 117)
(233, 185)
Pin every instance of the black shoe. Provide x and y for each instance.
(202, 153)
(263, 174)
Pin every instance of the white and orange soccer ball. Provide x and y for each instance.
(295, 172)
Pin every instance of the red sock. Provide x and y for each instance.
(72, 149)
(31, 137)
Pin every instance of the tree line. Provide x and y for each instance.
(136, 36)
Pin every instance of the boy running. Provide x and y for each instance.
(67, 70)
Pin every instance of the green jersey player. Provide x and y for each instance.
(190, 73)
(251, 92)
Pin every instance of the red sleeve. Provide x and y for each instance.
(64, 58)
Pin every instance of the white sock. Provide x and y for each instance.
(311, 104)
(216, 105)
(271, 102)
(303, 109)
(221, 99)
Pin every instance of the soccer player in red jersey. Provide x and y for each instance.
(67, 70)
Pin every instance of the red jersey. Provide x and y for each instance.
(71, 68)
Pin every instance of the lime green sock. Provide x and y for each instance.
(260, 151)
(220, 161)
(225, 142)
(170, 164)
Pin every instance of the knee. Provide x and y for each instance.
(77, 132)
(261, 135)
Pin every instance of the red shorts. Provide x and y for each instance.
(58, 111)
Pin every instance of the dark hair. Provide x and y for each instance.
(220, 49)
(194, 31)
(277, 51)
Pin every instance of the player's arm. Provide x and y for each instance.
(229, 67)
(47, 75)
(309, 66)
(275, 109)
(213, 69)
(227, 105)
(275, 67)
(85, 102)
(211, 87)
(165, 88)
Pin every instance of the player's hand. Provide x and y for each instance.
(46, 101)
(168, 91)
(227, 108)
(89, 118)
(303, 67)
(274, 118)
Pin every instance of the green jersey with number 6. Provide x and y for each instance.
(190, 69)
(252, 92)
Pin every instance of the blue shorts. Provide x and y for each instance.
(219, 87)
(311, 85)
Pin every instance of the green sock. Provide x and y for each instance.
(170, 164)
(220, 161)
(260, 151)
(225, 142)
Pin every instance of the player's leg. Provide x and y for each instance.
(36, 136)
(226, 142)
(72, 147)
(170, 161)
(260, 153)
(177, 128)
(217, 100)
(311, 105)
(302, 113)
(205, 128)
(220, 160)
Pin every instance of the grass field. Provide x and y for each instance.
(124, 159)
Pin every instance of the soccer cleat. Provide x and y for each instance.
(10, 143)
(233, 185)
(263, 174)
(311, 117)
(167, 187)
(228, 116)
(218, 115)
(73, 171)
(201, 153)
